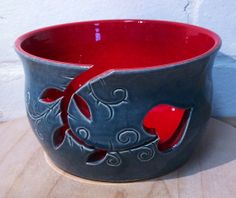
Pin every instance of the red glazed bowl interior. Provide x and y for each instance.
(124, 44)
(119, 43)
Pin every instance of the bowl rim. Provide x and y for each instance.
(51, 62)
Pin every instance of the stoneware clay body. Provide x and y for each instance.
(118, 100)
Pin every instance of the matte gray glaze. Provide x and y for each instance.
(118, 101)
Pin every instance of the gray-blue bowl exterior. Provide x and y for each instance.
(118, 102)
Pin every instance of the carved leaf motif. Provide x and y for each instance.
(168, 123)
(58, 136)
(50, 95)
(96, 157)
(82, 106)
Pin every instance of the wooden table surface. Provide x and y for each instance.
(25, 172)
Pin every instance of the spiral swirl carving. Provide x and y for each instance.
(128, 136)
(117, 96)
(113, 159)
(83, 133)
(145, 154)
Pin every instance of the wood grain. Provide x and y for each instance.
(24, 172)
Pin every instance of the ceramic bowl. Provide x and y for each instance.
(118, 100)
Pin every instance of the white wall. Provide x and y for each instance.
(18, 17)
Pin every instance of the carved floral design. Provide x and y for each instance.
(40, 118)
(118, 96)
(56, 102)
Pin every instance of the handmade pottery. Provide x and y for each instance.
(118, 100)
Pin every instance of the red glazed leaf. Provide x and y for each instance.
(97, 156)
(51, 94)
(168, 123)
(58, 136)
(177, 135)
(83, 106)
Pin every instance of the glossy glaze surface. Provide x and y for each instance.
(120, 44)
(129, 91)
